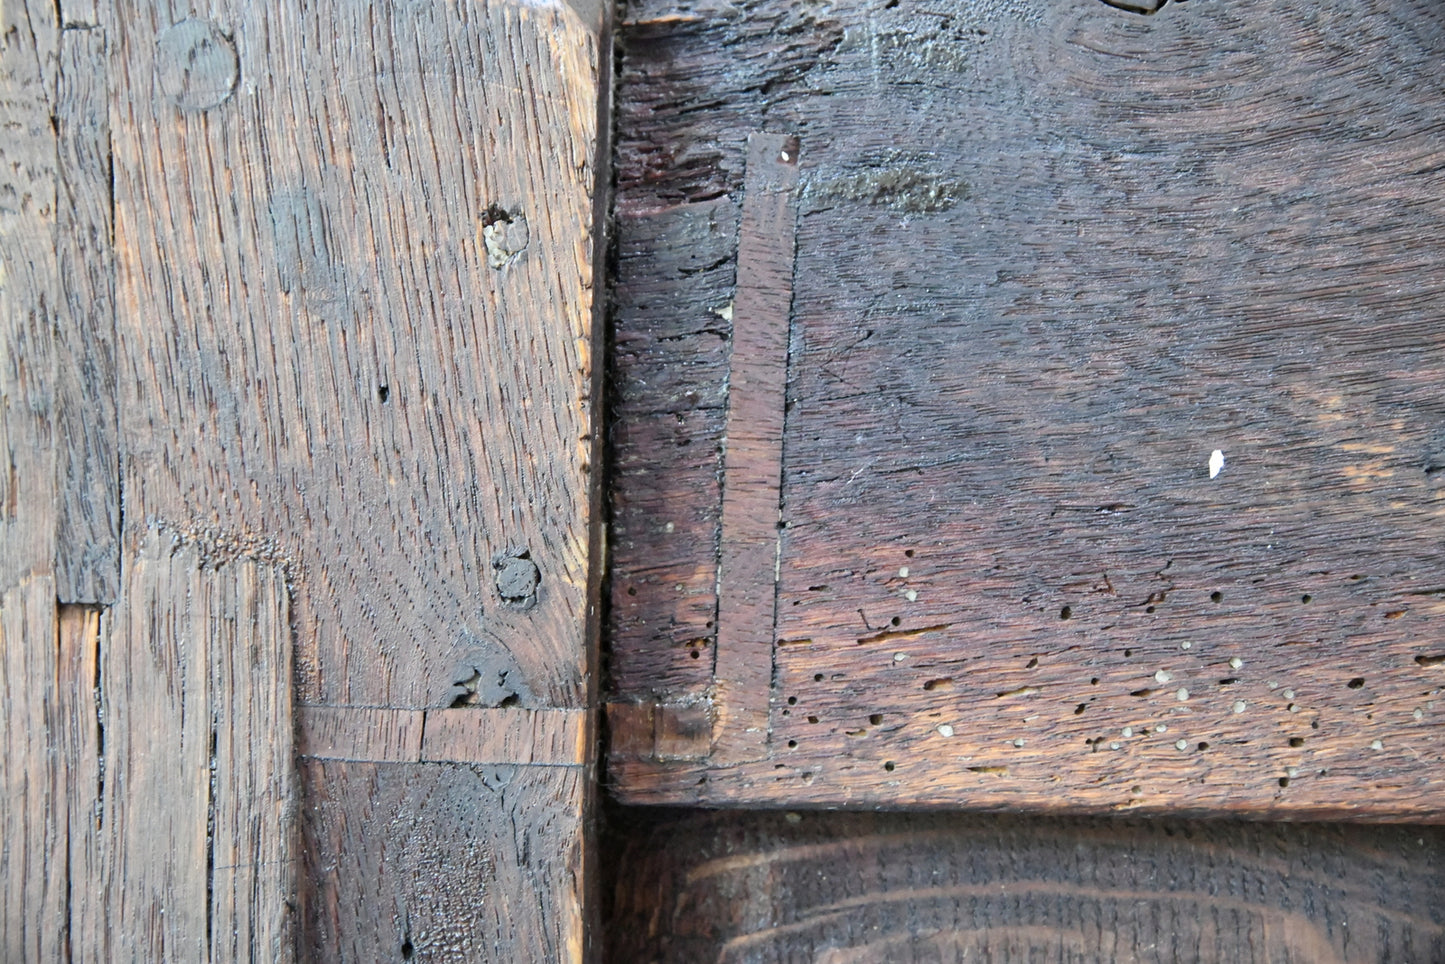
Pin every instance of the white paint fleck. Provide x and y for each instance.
(1114, 745)
(902, 572)
(1127, 732)
(1236, 663)
(1185, 645)
(1216, 463)
(725, 312)
(1181, 745)
(1163, 676)
(1419, 714)
(1019, 742)
(1161, 728)
(945, 730)
(1239, 706)
(899, 657)
(1291, 772)
(1182, 695)
(669, 527)
(1377, 745)
(911, 596)
(1288, 694)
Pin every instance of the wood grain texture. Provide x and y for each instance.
(744, 887)
(1049, 259)
(33, 819)
(87, 565)
(77, 741)
(29, 293)
(319, 357)
(33, 814)
(510, 735)
(199, 835)
(481, 862)
(680, 162)
(354, 256)
(753, 450)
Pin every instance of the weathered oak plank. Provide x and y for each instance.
(318, 353)
(33, 814)
(482, 863)
(1050, 258)
(33, 819)
(748, 555)
(87, 564)
(355, 311)
(504, 735)
(199, 836)
(745, 887)
(29, 292)
(76, 736)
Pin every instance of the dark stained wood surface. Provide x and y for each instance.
(905, 888)
(1050, 258)
(753, 450)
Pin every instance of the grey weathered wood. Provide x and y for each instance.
(87, 564)
(198, 829)
(355, 312)
(33, 844)
(29, 291)
(318, 356)
(76, 739)
(33, 909)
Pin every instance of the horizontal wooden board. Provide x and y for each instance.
(1112, 463)
(906, 888)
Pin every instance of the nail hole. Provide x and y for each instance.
(1203, 745)
(407, 951)
(1296, 741)
(792, 701)
(792, 744)
(1066, 612)
(1356, 683)
(888, 765)
(875, 719)
(896, 621)
(812, 719)
(1305, 598)
(1284, 781)
(1216, 596)
(817, 677)
(383, 392)
(908, 553)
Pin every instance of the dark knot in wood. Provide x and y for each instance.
(517, 578)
